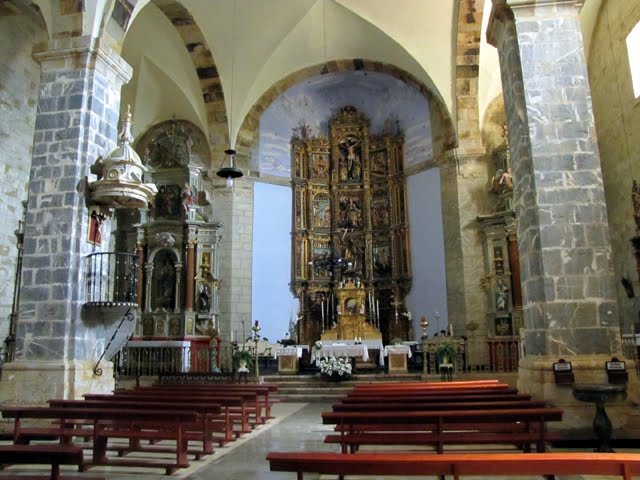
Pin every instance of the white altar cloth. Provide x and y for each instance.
(399, 349)
(340, 350)
(288, 352)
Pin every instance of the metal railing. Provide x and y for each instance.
(492, 355)
(111, 279)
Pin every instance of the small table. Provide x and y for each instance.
(446, 372)
(599, 395)
(288, 359)
(397, 355)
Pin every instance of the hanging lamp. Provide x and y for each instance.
(231, 172)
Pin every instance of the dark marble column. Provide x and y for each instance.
(78, 110)
(569, 305)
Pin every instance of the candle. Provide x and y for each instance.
(256, 323)
(378, 309)
(322, 310)
(233, 335)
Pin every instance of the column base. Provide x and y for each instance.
(535, 376)
(35, 382)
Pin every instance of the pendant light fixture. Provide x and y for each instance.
(231, 172)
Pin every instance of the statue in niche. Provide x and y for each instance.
(204, 298)
(188, 197)
(320, 167)
(502, 292)
(350, 212)
(351, 157)
(165, 274)
(381, 260)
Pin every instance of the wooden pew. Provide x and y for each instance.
(431, 385)
(262, 392)
(240, 404)
(262, 389)
(408, 406)
(199, 431)
(625, 465)
(440, 427)
(53, 454)
(229, 402)
(489, 390)
(421, 398)
(109, 423)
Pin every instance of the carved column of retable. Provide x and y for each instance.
(190, 277)
(140, 284)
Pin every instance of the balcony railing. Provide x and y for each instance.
(111, 279)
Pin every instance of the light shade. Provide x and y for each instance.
(231, 172)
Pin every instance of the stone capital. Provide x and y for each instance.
(81, 52)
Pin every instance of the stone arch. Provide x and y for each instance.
(443, 131)
(468, 35)
(204, 65)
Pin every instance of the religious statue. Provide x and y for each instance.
(213, 335)
(204, 298)
(501, 295)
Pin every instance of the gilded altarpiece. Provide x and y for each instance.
(351, 266)
(177, 244)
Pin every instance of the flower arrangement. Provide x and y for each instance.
(336, 368)
(317, 345)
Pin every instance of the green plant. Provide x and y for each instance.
(446, 351)
(242, 356)
(396, 341)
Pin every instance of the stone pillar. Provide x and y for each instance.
(78, 110)
(234, 209)
(569, 306)
(514, 263)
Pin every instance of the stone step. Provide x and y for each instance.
(314, 388)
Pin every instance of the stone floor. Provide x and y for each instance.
(297, 427)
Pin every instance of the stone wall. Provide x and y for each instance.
(19, 81)
(617, 117)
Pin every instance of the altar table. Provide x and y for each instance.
(340, 350)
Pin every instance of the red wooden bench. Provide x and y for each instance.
(262, 389)
(404, 406)
(421, 398)
(199, 431)
(248, 407)
(124, 423)
(430, 385)
(441, 427)
(234, 407)
(625, 465)
(263, 403)
(52, 454)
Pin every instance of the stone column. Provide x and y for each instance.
(569, 306)
(234, 209)
(78, 110)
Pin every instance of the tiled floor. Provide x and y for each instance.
(297, 427)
